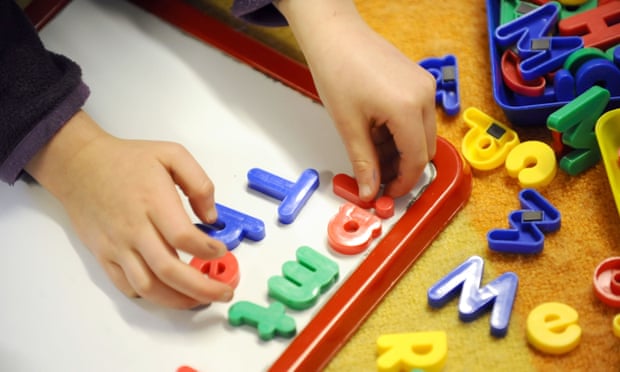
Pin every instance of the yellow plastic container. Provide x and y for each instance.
(608, 135)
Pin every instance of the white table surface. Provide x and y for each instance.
(150, 81)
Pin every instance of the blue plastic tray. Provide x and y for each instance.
(517, 112)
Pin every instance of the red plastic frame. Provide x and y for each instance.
(42, 11)
(395, 253)
(248, 50)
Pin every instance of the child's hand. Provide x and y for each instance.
(123, 201)
(382, 103)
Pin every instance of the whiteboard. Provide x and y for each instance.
(150, 81)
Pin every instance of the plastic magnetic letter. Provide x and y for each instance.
(606, 130)
(293, 195)
(599, 27)
(558, 146)
(539, 53)
(302, 281)
(487, 143)
(186, 369)
(445, 72)
(232, 227)
(345, 186)
(407, 351)
(512, 77)
(527, 233)
(533, 163)
(553, 328)
(384, 206)
(613, 54)
(564, 86)
(224, 269)
(269, 321)
(616, 325)
(466, 278)
(509, 10)
(576, 121)
(598, 72)
(352, 229)
(607, 281)
(578, 58)
(572, 2)
(571, 10)
(531, 199)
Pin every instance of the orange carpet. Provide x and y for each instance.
(562, 272)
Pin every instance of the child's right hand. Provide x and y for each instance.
(381, 102)
(122, 198)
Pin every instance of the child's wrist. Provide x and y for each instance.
(319, 24)
(50, 165)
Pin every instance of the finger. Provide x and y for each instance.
(193, 181)
(429, 113)
(413, 154)
(365, 168)
(118, 278)
(174, 225)
(364, 160)
(178, 275)
(148, 286)
(430, 130)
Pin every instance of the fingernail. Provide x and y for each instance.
(226, 296)
(365, 191)
(212, 215)
(219, 249)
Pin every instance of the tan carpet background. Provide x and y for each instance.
(563, 272)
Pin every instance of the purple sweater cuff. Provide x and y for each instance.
(260, 12)
(42, 133)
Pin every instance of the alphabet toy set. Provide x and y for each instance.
(352, 229)
(546, 53)
(558, 64)
(553, 63)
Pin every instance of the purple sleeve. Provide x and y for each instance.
(39, 91)
(260, 12)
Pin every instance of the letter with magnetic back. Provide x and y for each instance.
(531, 199)
(528, 225)
(487, 143)
(539, 53)
(445, 72)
